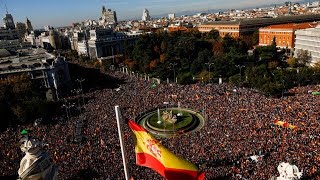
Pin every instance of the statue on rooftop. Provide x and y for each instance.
(288, 171)
(36, 164)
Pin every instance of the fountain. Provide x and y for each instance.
(169, 122)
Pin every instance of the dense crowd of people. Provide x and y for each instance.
(239, 123)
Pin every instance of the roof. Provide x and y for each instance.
(4, 53)
(292, 26)
(177, 28)
(269, 21)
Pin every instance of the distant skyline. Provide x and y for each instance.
(64, 12)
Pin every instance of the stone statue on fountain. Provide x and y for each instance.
(36, 164)
(168, 117)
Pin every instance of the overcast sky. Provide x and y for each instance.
(64, 12)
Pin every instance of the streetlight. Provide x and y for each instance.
(209, 64)
(112, 54)
(65, 105)
(283, 87)
(174, 72)
(77, 91)
(240, 67)
(80, 81)
(68, 105)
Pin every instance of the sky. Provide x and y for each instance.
(64, 12)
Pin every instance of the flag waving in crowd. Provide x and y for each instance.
(150, 153)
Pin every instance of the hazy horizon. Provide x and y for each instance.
(64, 13)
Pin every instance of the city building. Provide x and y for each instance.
(31, 38)
(108, 17)
(79, 42)
(176, 28)
(105, 42)
(8, 22)
(171, 16)
(10, 45)
(9, 37)
(47, 28)
(308, 39)
(8, 34)
(29, 26)
(51, 71)
(245, 27)
(146, 15)
(21, 29)
(283, 34)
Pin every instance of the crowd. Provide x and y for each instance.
(238, 124)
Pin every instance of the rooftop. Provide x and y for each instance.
(261, 21)
(292, 26)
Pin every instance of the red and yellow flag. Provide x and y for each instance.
(150, 153)
(285, 124)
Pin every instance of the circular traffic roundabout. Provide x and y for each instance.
(170, 122)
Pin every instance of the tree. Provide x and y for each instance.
(304, 57)
(185, 78)
(228, 42)
(292, 62)
(199, 63)
(255, 37)
(213, 34)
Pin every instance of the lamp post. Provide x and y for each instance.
(174, 72)
(240, 67)
(209, 64)
(112, 55)
(68, 105)
(77, 91)
(80, 81)
(283, 87)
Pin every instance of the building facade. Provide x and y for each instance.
(29, 26)
(146, 15)
(51, 71)
(8, 22)
(309, 39)
(245, 27)
(108, 17)
(104, 42)
(283, 34)
(21, 29)
(171, 16)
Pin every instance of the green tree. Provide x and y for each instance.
(213, 34)
(304, 57)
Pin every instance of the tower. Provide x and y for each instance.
(8, 21)
(21, 29)
(107, 17)
(29, 26)
(103, 10)
(145, 15)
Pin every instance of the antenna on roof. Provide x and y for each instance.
(6, 8)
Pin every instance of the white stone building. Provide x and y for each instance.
(107, 17)
(171, 16)
(146, 15)
(309, 39)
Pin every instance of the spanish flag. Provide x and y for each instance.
(150, 153)
(285, 124)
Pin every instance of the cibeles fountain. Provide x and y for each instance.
(168, 122)
(36, 164)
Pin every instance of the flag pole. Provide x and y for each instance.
(123, 152)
